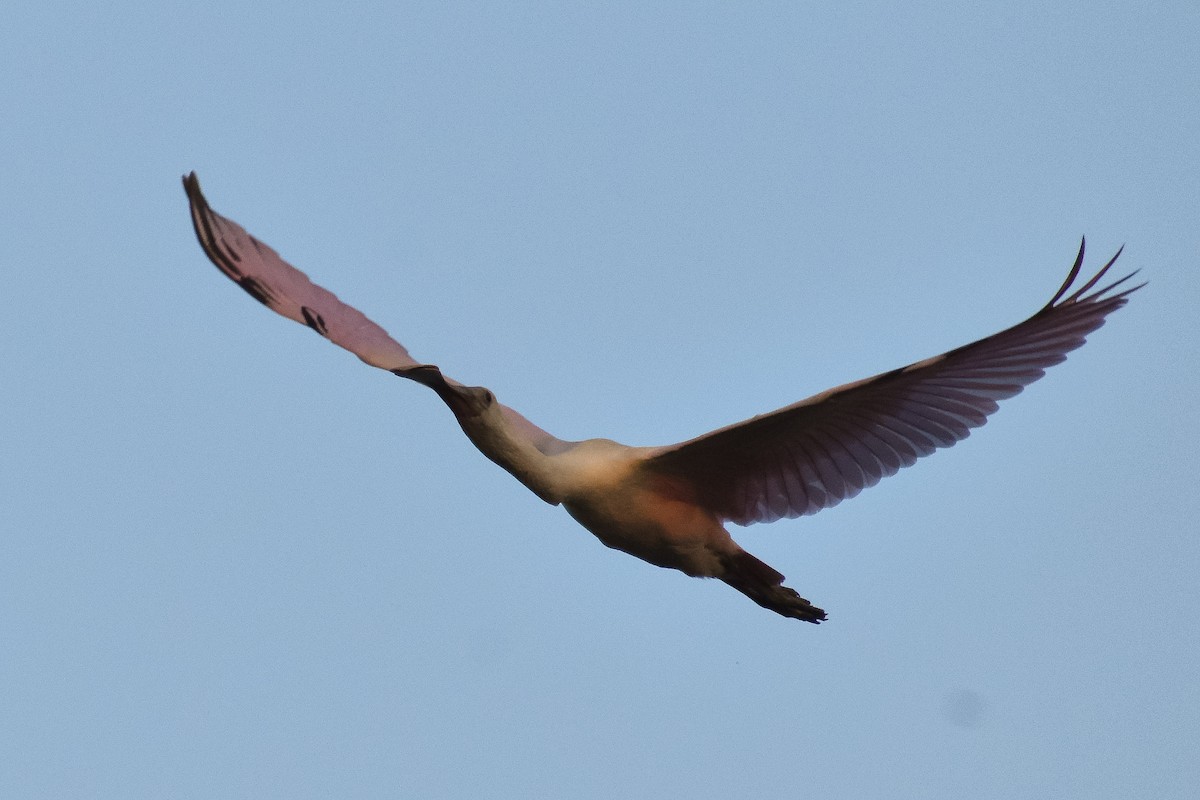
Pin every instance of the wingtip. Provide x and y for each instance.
(1071, 276)
(1079, 293)
(191, 186)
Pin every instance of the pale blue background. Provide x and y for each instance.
(235, 563)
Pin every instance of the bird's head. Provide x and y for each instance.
(469, 401)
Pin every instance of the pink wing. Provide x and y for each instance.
(820, 451)
(286, 290)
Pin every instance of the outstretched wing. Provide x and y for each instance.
(820, 451)
(286, 290)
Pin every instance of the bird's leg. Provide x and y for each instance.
(764, 585)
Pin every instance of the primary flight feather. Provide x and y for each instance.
(668, 505)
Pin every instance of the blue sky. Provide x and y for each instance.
(238, 563)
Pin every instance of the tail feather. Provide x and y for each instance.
(764, 585)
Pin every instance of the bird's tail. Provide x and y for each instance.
(764, 585)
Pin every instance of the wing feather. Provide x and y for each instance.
(266, 277)
(815, 453)
(275, 283)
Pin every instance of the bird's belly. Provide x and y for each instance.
(663, 530)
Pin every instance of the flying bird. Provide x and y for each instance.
(669, 505)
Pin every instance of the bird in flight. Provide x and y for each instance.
(669, 505)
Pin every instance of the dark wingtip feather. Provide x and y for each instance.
(1071, 276)
(1061, 298)
(1099, 293)
(1095, 278)
(191, 185)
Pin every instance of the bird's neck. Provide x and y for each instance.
(500, 440)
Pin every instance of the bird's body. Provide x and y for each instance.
(601, 484)
(653, 517)
(669, 505)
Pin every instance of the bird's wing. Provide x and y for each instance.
(286, 290)
(820, 451)
(279, 286)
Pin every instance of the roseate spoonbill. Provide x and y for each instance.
(668, 505)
